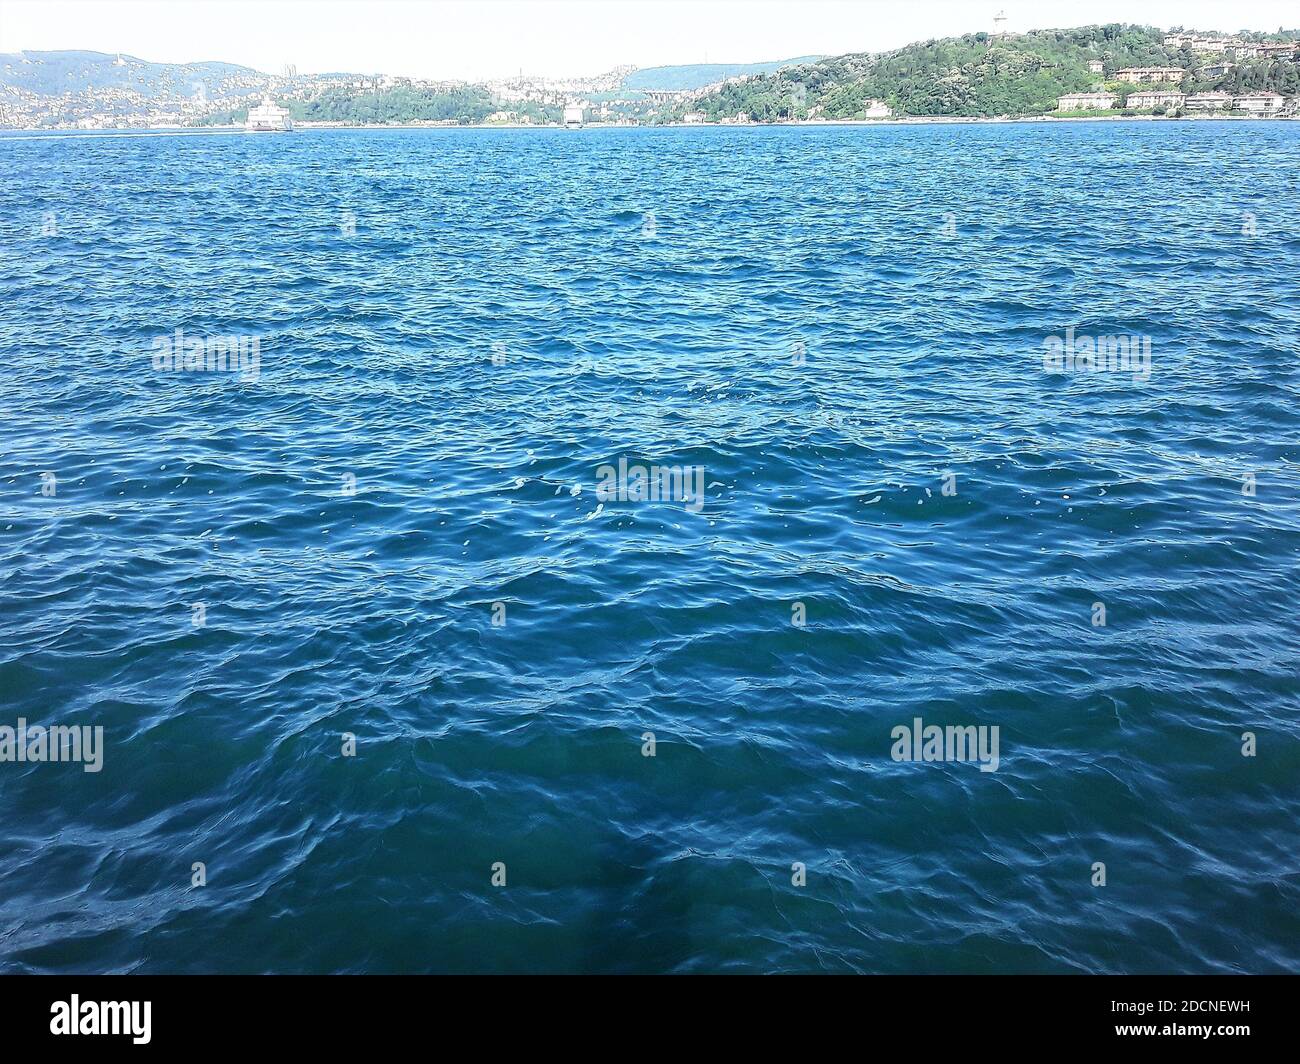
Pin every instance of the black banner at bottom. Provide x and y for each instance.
(336, 1013)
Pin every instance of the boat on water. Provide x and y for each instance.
(574, 118)
(268, 117)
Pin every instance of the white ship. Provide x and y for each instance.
(266, 117)
(573, 117)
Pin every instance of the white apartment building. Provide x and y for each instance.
(1087, 101)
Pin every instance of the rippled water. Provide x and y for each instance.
(834, 323)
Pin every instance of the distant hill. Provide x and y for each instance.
(54, 73)
(983, 75)
(697, 75)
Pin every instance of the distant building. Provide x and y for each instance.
(1096, 66)
(877, 109)
(666, 95)
(694, 118)
(1155, 98)
(1220, 45)
(1217, 70)
(1259, 102)
(1204, 45)
(1209, 101)
(1087, 101)
(1138, 75)
(1279, 51)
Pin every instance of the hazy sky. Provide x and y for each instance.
(486, 38)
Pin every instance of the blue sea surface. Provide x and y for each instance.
(390, 528)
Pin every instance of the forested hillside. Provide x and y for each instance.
(980, 75)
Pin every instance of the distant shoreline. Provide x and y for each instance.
(908, 120)
(931, 120)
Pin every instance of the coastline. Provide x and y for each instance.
(927, 120)
(910, 120)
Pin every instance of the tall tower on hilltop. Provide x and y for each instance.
(1000, 24)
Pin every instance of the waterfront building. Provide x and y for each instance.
(1087, 101)
(1259, 102)
(1209, 101)
(1155, 98)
